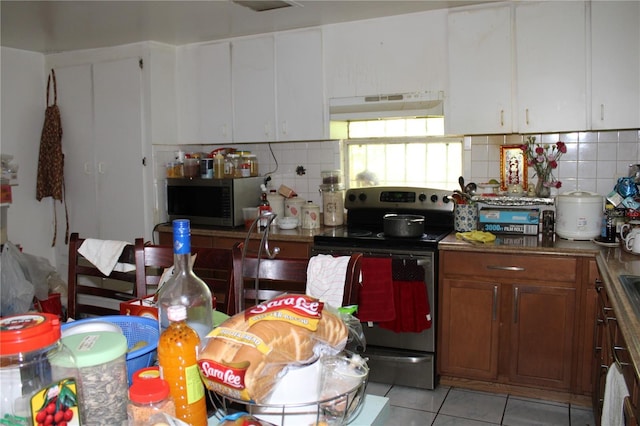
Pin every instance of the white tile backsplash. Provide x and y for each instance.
(594, 161)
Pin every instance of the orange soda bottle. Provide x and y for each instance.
(177, 356)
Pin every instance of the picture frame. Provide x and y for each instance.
(513, 167)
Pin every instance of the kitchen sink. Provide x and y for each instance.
(631, 286)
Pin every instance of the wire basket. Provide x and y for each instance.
(338, 409)
(136, 329)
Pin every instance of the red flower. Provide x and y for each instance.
(562, 147)
(539, 150)
(553, 164)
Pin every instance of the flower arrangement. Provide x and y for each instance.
(544, 159)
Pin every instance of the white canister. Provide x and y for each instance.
(579, 215)
(276, 201)
(310, 216)
(293, 207)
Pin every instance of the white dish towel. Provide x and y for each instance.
(326, 276)
(104, 255)
(615, 391)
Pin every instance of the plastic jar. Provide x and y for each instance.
(235, 161)
(310, 216)
(191, 167)
(148, 396)
(37, 370)
(206, 168)
(102, 367)
(332, 204)
(276, 201)
(229, 166)
(331, 177)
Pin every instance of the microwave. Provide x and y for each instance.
(216, 202)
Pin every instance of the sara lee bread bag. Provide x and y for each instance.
(245, 356)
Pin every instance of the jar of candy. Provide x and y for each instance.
(39, 375)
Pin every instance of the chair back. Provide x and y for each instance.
(92, 293)
(280, 275)
(213, 265)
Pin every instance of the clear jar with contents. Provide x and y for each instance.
(100, 358)
(310, 216)
(39, 374)
(149, 396)
(229, 169)
(332, 204)
(253, 165)
(235, 161)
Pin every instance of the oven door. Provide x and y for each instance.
(407, 358)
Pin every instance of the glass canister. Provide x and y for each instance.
(332, 204)
(148, 396)
(310, 216)
(235, 161)
(39, 378)
(276, 201)
(253, 164)
(102, 367)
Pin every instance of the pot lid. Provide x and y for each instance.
(580, 196)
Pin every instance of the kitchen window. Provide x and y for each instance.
(401, 152)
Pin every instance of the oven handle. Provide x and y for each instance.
(404, 359)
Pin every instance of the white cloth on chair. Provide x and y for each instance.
(104, 255)
(615, 390)
(326, 276)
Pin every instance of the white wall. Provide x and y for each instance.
(23, 88)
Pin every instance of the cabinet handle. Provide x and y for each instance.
(88, 170)
(515, 305)
(494, 311)
(526, 116)
(101, 168)
(501, 118)
(601, 112)
(505, 268)
(284, 127)
(223, 130)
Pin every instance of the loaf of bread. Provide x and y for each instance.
(244, 357)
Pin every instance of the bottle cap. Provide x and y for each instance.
(177, 312)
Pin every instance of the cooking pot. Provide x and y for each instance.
(579, 215)
(403, 225)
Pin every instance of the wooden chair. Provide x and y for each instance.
(90, 292)
(281, 275)
(213, 265)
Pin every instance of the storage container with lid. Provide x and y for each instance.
(276, 201)
(332, 204)
(101, 361)
(293, 208)
(310, 216)
(579, 215)
(331, 177)
(149, 395)
(38, 374)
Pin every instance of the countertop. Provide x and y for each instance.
(612, 262)
(275, 234)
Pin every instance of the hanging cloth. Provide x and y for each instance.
(50, 181)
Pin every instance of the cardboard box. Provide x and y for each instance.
(504, 216)
(509, 228)
(143, 307)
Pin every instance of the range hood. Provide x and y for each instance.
(417, 104)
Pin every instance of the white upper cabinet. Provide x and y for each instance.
(398, 54)
(615, 65)
(480, 71)
(551, 66)
(204, 93)
(299, 85)
(254, 96)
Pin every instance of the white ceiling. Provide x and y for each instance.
(54, 26)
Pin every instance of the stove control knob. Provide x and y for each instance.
(434, 198)
(446, 199)
(362, 196)
(422, 197)
(352, 197)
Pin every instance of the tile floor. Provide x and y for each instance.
(460, 407)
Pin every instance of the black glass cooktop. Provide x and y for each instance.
(354, 237)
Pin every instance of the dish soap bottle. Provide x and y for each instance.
(263, 208)
(184, 287)
(177, 356)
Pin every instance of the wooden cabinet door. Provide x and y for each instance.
(551, 66)
(615, 65)
(469, 326)
(480, 71)
(541, 338)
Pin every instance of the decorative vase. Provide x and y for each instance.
(542, 190)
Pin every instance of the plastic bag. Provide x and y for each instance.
(37, 270)
(17, 291)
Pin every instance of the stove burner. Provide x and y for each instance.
(359, 233)
(383, 235)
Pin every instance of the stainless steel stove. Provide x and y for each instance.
(404, 358)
